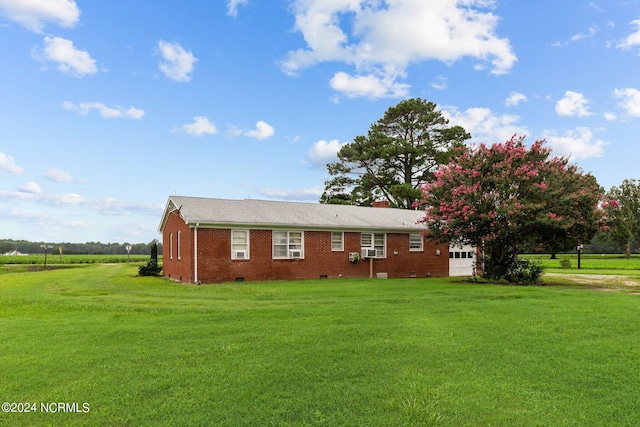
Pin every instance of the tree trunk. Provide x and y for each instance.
(627, 252)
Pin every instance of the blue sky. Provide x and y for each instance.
(108, 108)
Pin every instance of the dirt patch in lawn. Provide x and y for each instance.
(604, 282)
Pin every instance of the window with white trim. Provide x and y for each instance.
(171, 246)
(239, 244)
(288, 244)
(373, 241)
(337, 241)
(416, 243)
(179, 246)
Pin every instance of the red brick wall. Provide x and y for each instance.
(215, 263)
(177, 268)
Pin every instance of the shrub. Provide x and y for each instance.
(565, 264)
(151, 268)
(524, 272)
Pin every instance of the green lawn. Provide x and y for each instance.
(146, 351)
(590, 263)
(57, 259)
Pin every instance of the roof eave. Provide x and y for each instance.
(306, 227)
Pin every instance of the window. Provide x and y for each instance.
(337, 241)
(239, 244)
(373, 245)
(288, 244)
(171, 246)
(415, 242)
(179, 248)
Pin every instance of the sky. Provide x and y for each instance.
(107, 108)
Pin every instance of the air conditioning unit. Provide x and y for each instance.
(369, 253)
(239, 254)
(295, 254)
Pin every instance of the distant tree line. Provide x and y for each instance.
(602, 244)
(91, 248)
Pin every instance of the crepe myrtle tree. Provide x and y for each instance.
(507, 198)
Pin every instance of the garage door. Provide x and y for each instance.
(462, 260)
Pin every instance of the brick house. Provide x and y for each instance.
(216, 240)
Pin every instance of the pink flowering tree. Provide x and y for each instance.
(507, 198)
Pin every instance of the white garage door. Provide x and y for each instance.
(462, 260)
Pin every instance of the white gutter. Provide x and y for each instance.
(195, 252)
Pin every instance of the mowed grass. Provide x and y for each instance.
(614, 264)
(146, 351)
(56, 259)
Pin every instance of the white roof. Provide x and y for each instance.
(206, 212)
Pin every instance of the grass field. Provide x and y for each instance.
(146, 351)
(56, 259)
(591, 263)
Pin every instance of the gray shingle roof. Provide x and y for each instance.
(270, 214)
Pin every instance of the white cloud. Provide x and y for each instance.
(105, 205)
(439, 83)
(24, 215)
(368, 86)
(30, 187)
(381, 39)
(59, 175)
(630, 100)
(593, 30)
(200, 126)
(577, 144)
(72, 61)
(573, 104)
(324, 152)
(233, 130)
(262, 131)
(514, 99)
(232, 6)
(633, 39)
(177, 64)
(114, 207)
(484, 125)
(296, 194)
(69, 199)
(34, 14)
(116, 112)
(608, 116)
(7, 164)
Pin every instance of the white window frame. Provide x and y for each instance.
(179, 245)
(376, 241)
(239, 247)
(170, 245)
(337, 241)
(292, 242)
(416, 242)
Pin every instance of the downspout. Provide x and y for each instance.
(195, 253)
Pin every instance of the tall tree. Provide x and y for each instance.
(507, 198)
(623, 214)
(400, 152)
